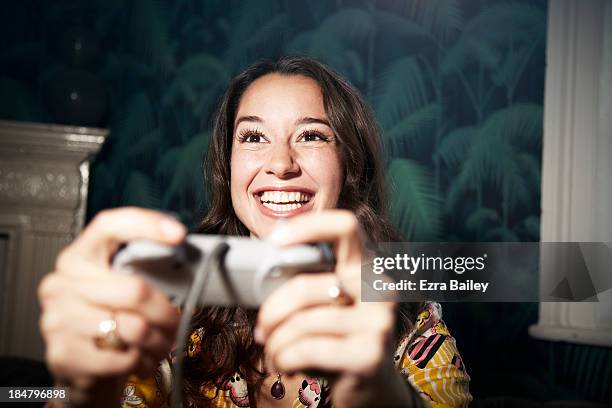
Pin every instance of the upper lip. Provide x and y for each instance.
(301, 189)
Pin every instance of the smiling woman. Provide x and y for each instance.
(291, 122)
(294, 141)
(287, 150)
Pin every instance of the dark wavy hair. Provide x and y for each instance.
(227, 344)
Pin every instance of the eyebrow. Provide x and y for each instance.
(306, 120)
(249, 118)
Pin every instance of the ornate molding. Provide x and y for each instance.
(44, 175)
(35, 138)
(46, 168)
(31, 184)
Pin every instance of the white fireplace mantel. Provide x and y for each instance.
(44, 175)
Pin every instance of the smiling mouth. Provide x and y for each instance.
(284, 201)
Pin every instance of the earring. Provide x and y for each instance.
(278, 388)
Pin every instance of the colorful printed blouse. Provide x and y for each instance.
(427, 358)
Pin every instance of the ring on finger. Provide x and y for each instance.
(107, 337)
(338, 295)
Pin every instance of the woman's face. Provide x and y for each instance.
(285, 157)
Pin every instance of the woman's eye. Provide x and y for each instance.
(314, 137)
(252, 137)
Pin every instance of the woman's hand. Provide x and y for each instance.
(302, 329)
(82, 292)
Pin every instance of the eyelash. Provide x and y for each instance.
(314, 133)
(245, 134)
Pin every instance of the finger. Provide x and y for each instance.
(356, 354)
(111, 228)
(65, 357)
(311, 227)
(300, 292)
(337, 226)
(116, 292)
(71, 263)
(72, 315)
(330, 321)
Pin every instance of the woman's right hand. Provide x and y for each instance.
(83, 291)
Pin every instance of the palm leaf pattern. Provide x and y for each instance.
(415, 206)
(415, 61)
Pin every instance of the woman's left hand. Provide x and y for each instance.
(303, 329)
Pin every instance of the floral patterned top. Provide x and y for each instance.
(427, 358)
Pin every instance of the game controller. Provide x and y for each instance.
(249, 270)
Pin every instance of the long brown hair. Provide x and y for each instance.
(227, 344)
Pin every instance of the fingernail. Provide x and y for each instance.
(172, 229)
(258, 335)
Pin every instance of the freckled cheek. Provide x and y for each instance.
(326, 170)
(244, 168)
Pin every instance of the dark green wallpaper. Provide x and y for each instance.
(457, 86)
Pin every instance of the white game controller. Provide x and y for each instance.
(249, 271)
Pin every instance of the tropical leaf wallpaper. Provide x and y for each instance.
(457, 87)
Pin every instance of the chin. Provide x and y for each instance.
(268, 222)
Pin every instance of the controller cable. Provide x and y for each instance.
(212, 262)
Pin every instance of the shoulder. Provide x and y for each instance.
(428, 357)
(428, 330)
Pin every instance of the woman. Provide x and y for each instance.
(292, 141)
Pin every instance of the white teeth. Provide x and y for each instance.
(282, 207)
(281, 197)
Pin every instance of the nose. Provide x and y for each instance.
(282, 161)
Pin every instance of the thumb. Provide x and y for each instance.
(112, 228)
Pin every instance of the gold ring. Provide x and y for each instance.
(107, 337)
(338, 296)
